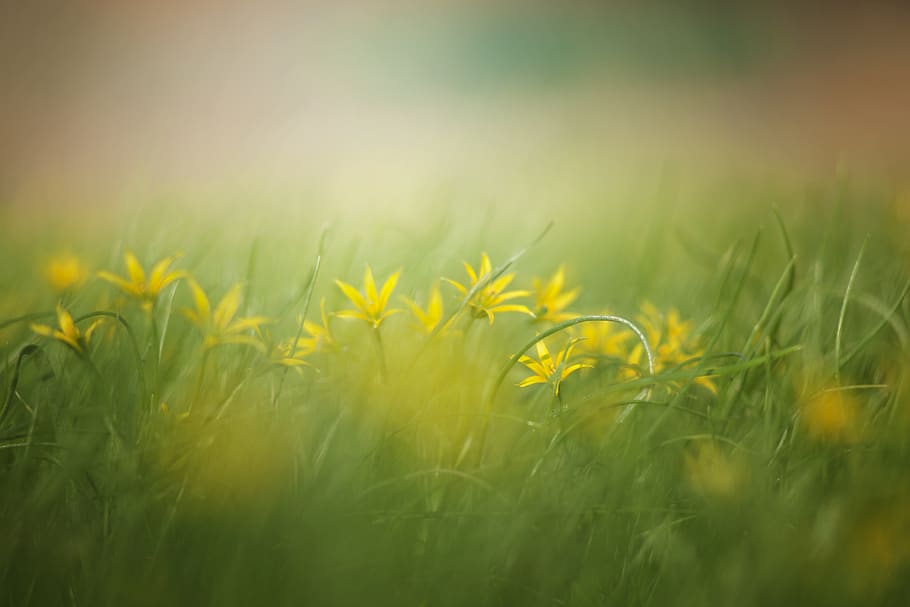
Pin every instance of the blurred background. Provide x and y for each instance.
(358, 101)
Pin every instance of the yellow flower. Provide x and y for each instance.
(605, 338)
(68, 332)
(550, 301)
(371, 304)
(220, 326)
(546, 369)
(319, 338)
(430, 317)
(65, 271)
(137, 286)
(488, 300)
(670, 339)
(832, 416)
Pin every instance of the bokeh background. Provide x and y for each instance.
(358, 102)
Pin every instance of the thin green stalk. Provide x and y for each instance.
(881, 325)
(383, 369)
(308, 296)
(838, 334)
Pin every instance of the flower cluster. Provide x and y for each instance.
(484, 295)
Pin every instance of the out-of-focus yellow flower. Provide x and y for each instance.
(711, 472)
(371, 304)
(144, 289)
(605, 339)
(319, 337)
(430, 317)
(219, 326)
(550, 301)
(832, 416)
(65, 272)
(489, 300)
(670, 339)
(67, 331)
(547, 369)
(879, 546)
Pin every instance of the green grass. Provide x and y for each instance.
(430, 483)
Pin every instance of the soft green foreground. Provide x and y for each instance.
(154, 471)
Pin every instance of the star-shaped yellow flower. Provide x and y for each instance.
(430, 317)
(546, 369)
(67, 331)
(489, 300)
(550, 301)
(319, 337)
(371, 304)
(140, 288)
(220, 326)
(670, 339)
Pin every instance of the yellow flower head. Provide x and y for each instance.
(220, 326)
(65, 271)
(550, 301)
(489, 300)
(144, 289)
(670, 339)
(67, 331)
(371, 303)
(430, 317)
(319, 337)
(832, 416)
(605, 339)
(546, 369)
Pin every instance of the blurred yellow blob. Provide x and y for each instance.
(832, 416)
(65, 271)
(711, 472)
(240, 461)
(879, 546)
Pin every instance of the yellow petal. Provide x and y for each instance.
(156, 277)
(485, 265)
(387, 289)
(353, 314)
(530, 381)
(435, 307)
(123, 285)
(91, 329)
(369, 286)
(543, 354)
(201, 300)
(502, 282)
(512, 308)
(137, 274)
(471, 274)
(461, 288)
(573, 368)
(354, 295)
(244, 324)
(43, 330)
(227, 307)
(65, 320)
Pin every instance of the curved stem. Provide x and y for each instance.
(556, 329)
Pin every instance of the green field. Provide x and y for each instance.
(175, 433)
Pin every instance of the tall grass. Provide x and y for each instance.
(769, 465)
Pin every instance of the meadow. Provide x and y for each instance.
(676, 399)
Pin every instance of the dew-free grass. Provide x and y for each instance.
(657, 412)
